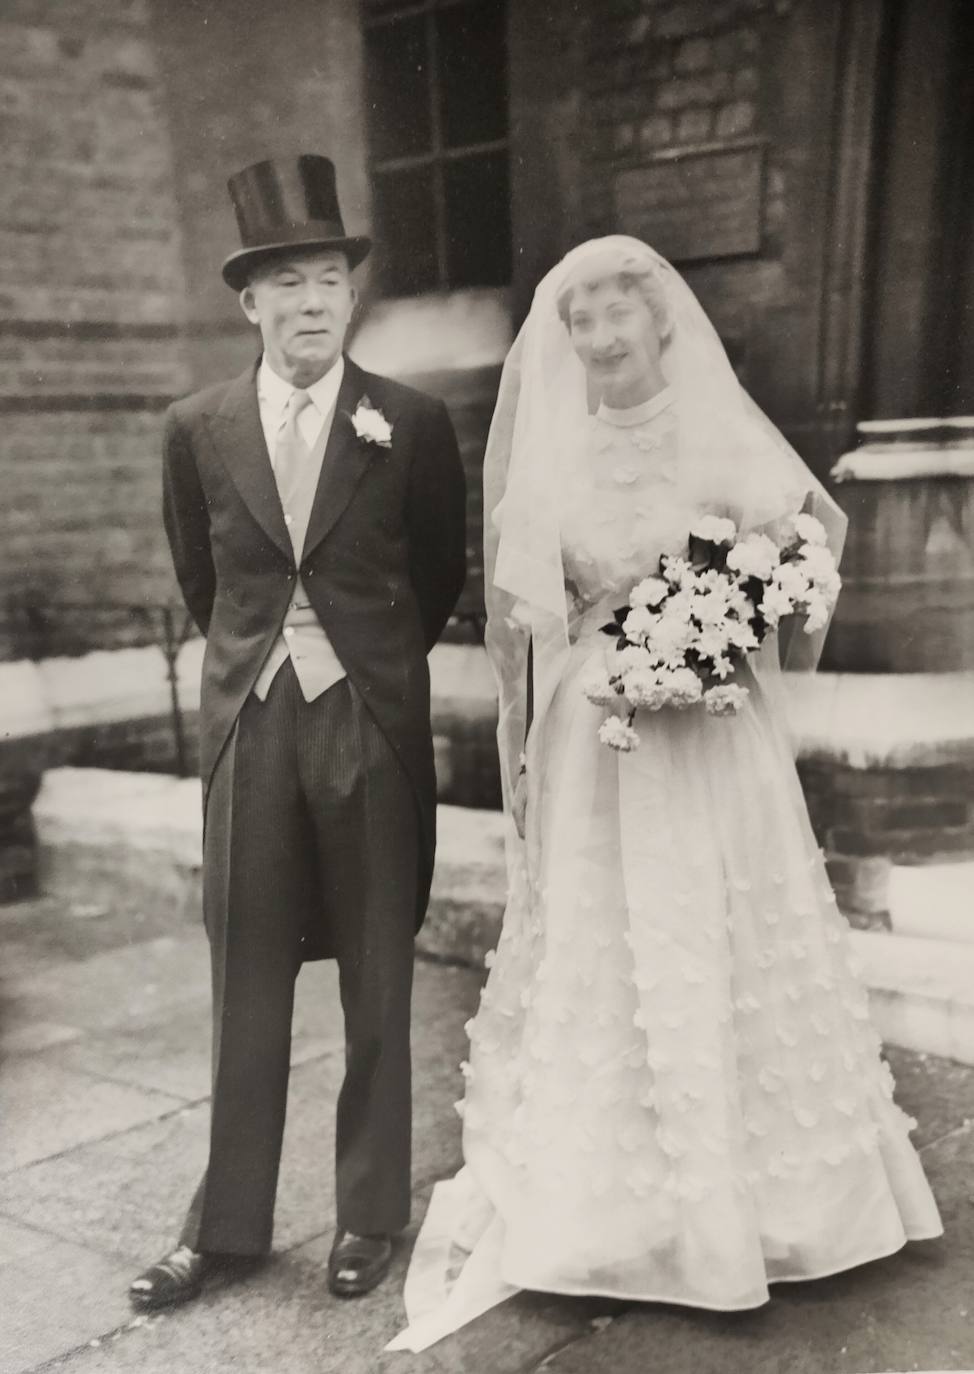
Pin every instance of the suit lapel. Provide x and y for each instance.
(344, 463)
(239, 439)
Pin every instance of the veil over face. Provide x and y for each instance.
(731, 461)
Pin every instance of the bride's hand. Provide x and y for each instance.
(519, 804)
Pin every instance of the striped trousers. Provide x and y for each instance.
(310, 819)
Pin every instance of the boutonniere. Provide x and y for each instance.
(371, 425)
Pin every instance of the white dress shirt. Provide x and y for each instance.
(274, 393)
(302, 638)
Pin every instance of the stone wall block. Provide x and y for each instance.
(735, 119)
(694, 55)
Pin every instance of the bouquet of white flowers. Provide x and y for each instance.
(686, 628)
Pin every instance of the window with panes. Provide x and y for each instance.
(436, 92)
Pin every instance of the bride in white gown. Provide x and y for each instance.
(674, 1092)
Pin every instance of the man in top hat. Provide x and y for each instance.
(315, 514)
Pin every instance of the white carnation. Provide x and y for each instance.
(810, 529)
(792, 580)
(632, 656)
(683, 687)
(598, 686)
(776, 603)
(371, 425)
(725, 700)
(710, 608)
(679, 573)
(670, 639)
(644, 689)
(741, 636)
(715, 529)
(829, 585)
(818, 561)
(755, 556)
(639, 623)
(618, 734)
(649, 592)
(714, 639)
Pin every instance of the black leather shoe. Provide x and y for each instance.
(176, 1278)
(180, 1276)
(357, 1263)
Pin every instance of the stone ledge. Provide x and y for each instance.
(115, 836)
(127, 684)
(921, 992)
(882, 720)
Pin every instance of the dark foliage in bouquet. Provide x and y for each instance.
(688, 625)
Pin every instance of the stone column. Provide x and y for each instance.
(902, 645)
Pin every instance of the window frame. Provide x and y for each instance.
(438, 156)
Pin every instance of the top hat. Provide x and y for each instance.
(285, 203)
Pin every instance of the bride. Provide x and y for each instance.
(674, 1092)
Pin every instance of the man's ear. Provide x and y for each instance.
(248, 305)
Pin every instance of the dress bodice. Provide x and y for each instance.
(621, 507)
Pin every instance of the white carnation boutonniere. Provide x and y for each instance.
(371, 425)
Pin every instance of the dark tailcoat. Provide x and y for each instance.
(383, 561)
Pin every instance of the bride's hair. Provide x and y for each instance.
(630, 276)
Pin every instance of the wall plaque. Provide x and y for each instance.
(703, 203)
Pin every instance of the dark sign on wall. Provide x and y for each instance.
(695, 204)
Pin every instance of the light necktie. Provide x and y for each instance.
(291, 453)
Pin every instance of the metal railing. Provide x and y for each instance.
(38, 628)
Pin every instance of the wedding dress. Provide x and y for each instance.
(674, 1092)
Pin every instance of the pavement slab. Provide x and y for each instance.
(283, 1319)
(55, 1299)
(122, 1195)
(937, 1092)
(107, 1075)
(68, 931)
(18, 1242)
(47, 1109)
(171, 1052)
(132, 983)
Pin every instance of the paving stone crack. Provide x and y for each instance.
(964, 1128)
(591, 1332)
(100, 1139)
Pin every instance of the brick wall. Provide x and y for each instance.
(91, 293)
(121, 121)
(245, 81)
(662, 75)
(670, 77)
(866, 819)
(628, 81)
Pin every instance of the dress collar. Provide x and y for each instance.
(276, 392)
(637, 415)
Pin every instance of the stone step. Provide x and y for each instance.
(935, 901)
(107, 836)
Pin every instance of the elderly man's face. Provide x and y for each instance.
(303, 305)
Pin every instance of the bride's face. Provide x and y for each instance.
(614, 334)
